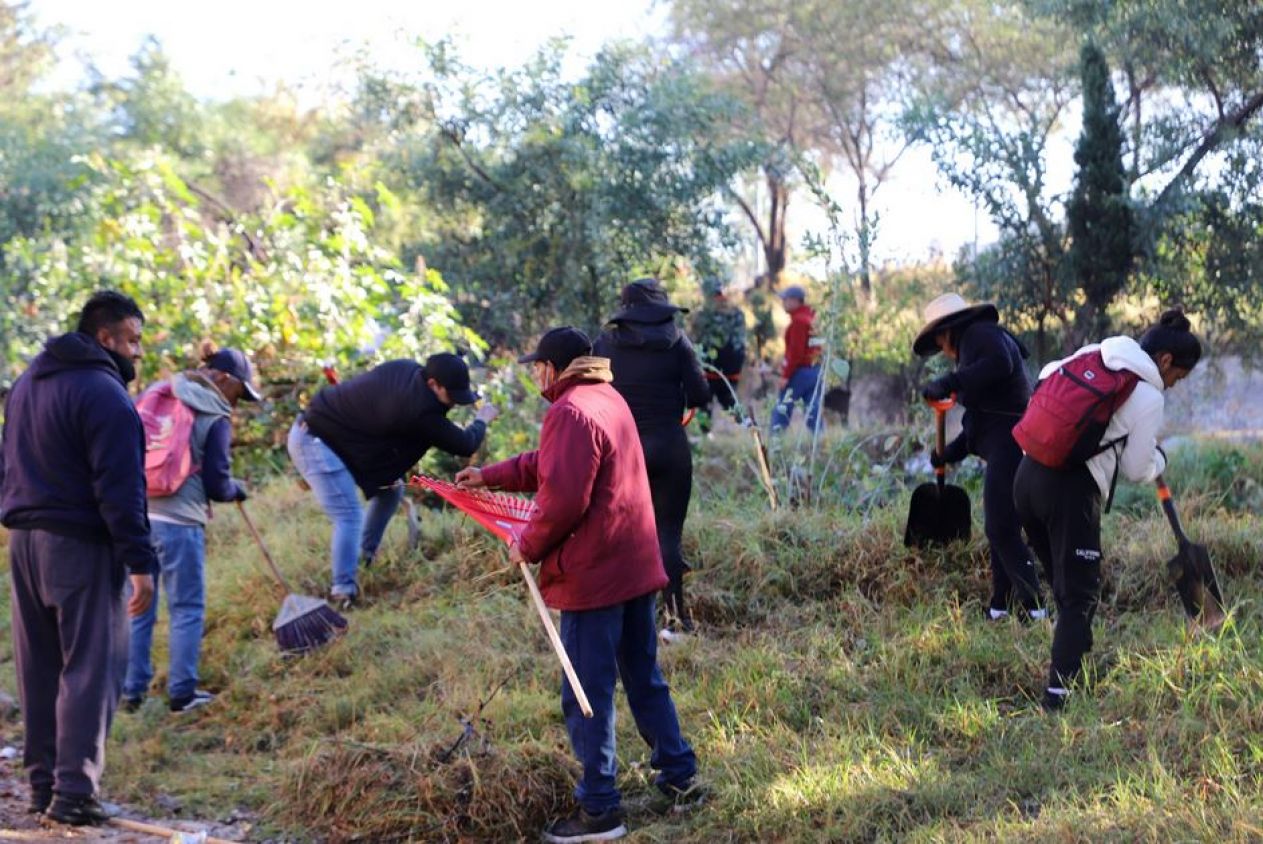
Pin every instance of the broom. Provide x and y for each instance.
(304, 623)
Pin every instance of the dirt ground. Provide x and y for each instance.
(17, 825)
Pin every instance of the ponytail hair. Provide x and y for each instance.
(1173, 335)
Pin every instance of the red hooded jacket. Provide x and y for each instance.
(593, 528)
(799, 349)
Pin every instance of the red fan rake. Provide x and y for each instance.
(502, 514)
(506, 516)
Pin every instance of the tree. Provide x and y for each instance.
(992, 102)
(1098, 215)
(550, 194)
(750, 51)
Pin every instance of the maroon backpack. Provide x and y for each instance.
(1070, 410)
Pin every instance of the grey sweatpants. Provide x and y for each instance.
(70, 645)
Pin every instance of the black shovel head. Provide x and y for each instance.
(937, 517)
(1195, 580)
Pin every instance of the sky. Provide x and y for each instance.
(238, 47)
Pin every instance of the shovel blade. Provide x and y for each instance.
(937, 517)
(1196, 583)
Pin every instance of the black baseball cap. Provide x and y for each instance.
(452, 373)
(560, 346)
(237, 365)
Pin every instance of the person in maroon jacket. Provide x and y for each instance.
(593, 535)
(800, 379)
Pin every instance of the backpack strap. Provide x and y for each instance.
(1118, 460)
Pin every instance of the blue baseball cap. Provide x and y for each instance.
(237, 365)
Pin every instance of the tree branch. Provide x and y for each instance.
(1218, 133)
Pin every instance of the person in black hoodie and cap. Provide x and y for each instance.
(657, 372)
(991, 383)
(367, 432)
(72, 491)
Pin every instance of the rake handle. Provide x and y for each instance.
(162, 831)
(254, 531)
(555, 639)
(765, 468)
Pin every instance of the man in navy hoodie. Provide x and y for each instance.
(72, 493)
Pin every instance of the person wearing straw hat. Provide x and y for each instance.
(593, 535)
(178, 522)
(657, 373)
(991, 383)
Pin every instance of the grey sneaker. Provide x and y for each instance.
(188, 704)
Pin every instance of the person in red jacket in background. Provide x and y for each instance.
(800, 379)
(593, 535)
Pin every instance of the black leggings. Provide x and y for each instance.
(1013, 575)
(1061, 511)
(669, 462)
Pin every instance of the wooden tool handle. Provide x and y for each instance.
(276, 572)
(560, 649)
(164, 832)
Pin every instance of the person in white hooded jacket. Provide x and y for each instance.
(1060, 508)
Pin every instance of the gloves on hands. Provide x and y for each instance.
(937, 390)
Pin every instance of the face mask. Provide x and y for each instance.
(125, 367)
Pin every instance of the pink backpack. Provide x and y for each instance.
(168, 439)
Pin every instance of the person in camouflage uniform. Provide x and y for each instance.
(719, 332)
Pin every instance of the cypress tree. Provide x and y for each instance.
(1099, 213)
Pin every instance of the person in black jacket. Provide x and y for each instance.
(991, 383)
(657, 372)
(72, 491)
(368, 432)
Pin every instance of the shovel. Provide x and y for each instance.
(1191, 569)
(939, 513)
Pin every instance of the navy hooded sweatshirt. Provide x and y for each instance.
(655, 369)
(73, 457)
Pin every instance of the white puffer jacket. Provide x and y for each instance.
(1139, 419)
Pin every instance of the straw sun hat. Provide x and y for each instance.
(949, 311)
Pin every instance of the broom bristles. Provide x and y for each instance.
(305, 623)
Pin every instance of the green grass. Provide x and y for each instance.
(843, 689)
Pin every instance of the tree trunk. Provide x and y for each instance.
(865, 238)
(774, 247)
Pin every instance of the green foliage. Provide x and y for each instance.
(299, 283)
(1099, 212)
(556, 193)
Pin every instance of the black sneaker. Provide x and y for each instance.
(193, 701)
(40, 798)
(1053, 702)
(77, 811)
(342, 602)
(133, 704)
(671, 799)
(582, 826)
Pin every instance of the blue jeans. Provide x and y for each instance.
(355, 532)
(803, 387)
(182, 575)
(605, 644)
